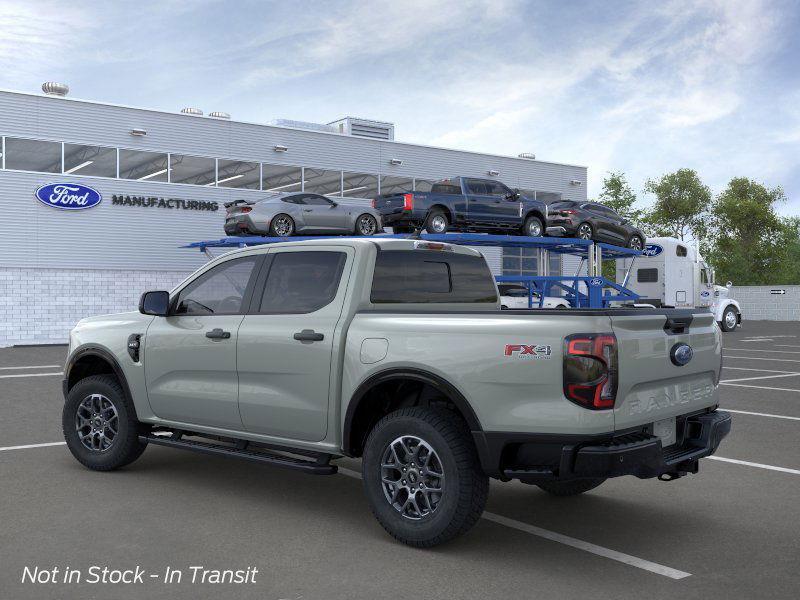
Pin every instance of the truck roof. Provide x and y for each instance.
(355, 242)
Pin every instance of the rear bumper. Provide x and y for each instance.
(535, 457)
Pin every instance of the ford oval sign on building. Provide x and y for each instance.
(652, 250)
(68, 196)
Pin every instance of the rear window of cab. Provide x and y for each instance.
(427, 276)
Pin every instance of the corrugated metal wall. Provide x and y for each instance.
(130, 237)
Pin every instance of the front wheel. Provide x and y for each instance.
(366, 225)
(635, 243)
(100, 425)
(730, 320)
(422, 476)
(533, 227)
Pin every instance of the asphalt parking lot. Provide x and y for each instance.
(733, 531)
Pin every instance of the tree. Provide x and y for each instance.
(681, 206)
(749, 243)
(618, 195)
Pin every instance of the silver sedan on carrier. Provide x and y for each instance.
(300, 213)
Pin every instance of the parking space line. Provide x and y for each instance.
(758, 465)
(760, 350)
(752, 369)
(33, 446)
(759, 387)
(30, 367)
(30, 375)
(747, 412)
(791, 360)
(760, 377)
(627, 559)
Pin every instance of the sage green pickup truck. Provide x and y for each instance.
(395, 351)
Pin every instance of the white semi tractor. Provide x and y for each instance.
(672, 273)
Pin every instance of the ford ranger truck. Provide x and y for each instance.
(395, 351)
(464, 204)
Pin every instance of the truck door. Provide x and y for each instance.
(488, 205)
(190, 356)
(286, 342)
(705, 289)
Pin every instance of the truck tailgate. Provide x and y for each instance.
(652, 388)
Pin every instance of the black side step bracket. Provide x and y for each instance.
(320, 466)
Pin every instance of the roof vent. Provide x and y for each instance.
(219, 115)
(527, 155)
(51, 88)
(192, 111)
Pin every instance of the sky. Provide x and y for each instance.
(639, 87)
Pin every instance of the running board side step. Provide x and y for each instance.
(321, 466)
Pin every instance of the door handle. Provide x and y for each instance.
(308, 335)
(218, 334)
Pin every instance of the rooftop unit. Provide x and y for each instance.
(377, 130)
(303, 125)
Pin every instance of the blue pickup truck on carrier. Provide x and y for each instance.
(464, 204)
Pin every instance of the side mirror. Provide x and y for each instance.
(334, 204)
(729, 285)
(154, 303)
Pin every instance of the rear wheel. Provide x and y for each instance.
(570, 488)
(437, 221)
(281, 226)
(584, 231)
(422, 476)
(366, 224)
(533, 227)
(730, 319)
(100, 425)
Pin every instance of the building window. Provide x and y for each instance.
(520, 261)
(423, 185)
(237, 174)
(33, 155)
(143, 166)
(359, 185)
(396, 185)
(194, 170)
(280, 178)
(321, 181)
(96, 161)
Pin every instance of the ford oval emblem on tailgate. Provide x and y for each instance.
(681, 354)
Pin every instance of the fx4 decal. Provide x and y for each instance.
(529, 351)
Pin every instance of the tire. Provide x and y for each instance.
(437, 221)
(281, 225)
(584, 232)
(464, 486)
(730, 320)
(570, 488)
(366, 225)
(533, 227)
(636, 243)
(105, 392)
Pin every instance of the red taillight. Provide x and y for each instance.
(590, 370)
(568, 212)
(246, 209)
(408, 201)
(373, 203)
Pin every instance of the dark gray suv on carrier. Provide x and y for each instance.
(593, 221)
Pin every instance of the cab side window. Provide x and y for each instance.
(476, 186)
(218, 291)
(495, 188)
(301, 282)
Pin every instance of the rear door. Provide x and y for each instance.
(652, 388)
(285, 342)
(479, 202)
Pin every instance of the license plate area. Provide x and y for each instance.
(665, 429)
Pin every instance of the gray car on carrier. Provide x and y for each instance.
(300, 213)
(395, 351)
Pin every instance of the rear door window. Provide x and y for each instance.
(423, 276)
(301, 282)
(477, 187)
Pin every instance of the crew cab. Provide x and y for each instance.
(394, 351)
(464, 204)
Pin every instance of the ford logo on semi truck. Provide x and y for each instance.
(652, 250)
(68, 196)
